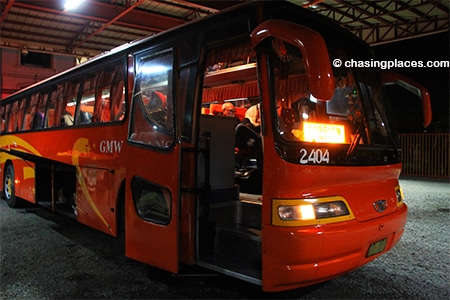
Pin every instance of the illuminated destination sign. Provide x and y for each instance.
(323, 132)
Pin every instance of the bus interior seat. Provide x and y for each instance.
(215, 109)
(240, 112)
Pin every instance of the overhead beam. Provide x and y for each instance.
(102, 12)
(8, 6)
(80, 41)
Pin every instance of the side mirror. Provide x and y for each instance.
(312, 47)
(390, 78)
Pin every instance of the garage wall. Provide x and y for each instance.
(14, 76)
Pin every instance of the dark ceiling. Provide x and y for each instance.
(100, 25)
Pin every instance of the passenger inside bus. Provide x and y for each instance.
(253, 114)
(38, 120)
(153, 120)
(66, 119)
(338, 105)
(84, 118)
(228, 110)
(247, 143)
(305, 109)
(249, 154)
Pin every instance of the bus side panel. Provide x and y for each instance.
(146, 241)
(25, 179)
(23, 170)
(93, 198)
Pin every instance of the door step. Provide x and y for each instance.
(239, 241)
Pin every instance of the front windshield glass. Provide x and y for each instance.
(349, 128)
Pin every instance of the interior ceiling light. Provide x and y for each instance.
(72, 4)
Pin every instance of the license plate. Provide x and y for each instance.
(377, 247)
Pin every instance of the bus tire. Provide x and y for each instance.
(9, 188)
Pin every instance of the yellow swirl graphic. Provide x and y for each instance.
(82, 148)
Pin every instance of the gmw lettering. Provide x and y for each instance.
(111, 146)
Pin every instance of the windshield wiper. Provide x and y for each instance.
(355, 142)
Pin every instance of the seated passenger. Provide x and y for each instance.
(84, 118)
(157, 101)
(249, 158)
(248, 150)
(229, 111)
(66, 119)
(305, 109)
(38, 120)
(246, 136)
(253, 114)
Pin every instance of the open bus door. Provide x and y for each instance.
(236, 234)
(275, 245)
(152, 191)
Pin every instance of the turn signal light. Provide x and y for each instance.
(399, 195)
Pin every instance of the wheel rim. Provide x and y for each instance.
(9, 186)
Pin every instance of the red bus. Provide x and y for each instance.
(129, 143)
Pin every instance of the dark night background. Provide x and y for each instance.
(407, 106)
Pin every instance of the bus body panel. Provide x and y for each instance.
(312, 254)
(24, 177)
(98, 165)
(147, 241)
(342, 248)
(23, 170)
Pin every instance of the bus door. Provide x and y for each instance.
(229, 226)
(153, 164)
(300, 64)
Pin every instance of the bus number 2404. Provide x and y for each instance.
(316, 156)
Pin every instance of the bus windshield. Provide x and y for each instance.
(350, 128)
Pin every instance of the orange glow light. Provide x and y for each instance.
(323, 133)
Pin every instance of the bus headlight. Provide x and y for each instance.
(302, 212)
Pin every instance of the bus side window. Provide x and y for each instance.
(103, 96)
(21, 116)
(51, 113)
(5, 118)
(152, 122)
(27, 118)
(56, 108)
(2, 118)
(69, 101)
(42, 108)
(35, 115)
(85, 110)
(117, 105)
(100, 106)
(38, 120)
(152, 202)
(110, 95)
(14, 116)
